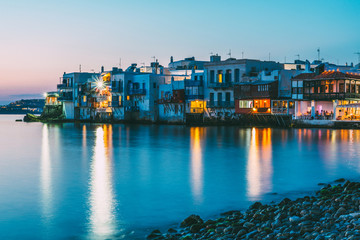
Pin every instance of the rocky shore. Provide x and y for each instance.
(332, 213)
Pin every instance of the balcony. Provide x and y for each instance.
(132, 109)
(63, 86)
(137, 92)
(118, 88)
(116, 103)
(193, 97)
(193, 83)
(65, 96)
(220, 104)
(220, 85)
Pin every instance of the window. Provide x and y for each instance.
(245, 104)
(228, 75)
(227, 97)
(341, 87)
(154, 85)
(220, 76)
(195, 78)
(212, 76)
(237, 75)
(211, 97)
(219, 97)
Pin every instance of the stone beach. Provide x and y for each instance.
(332, 213)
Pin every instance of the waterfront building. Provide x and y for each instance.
(302, 65)
(68, 91)
(194, 93)
(187, 63)
(142, 97)
(255, 97)
(51, 98)
(327, 94)
(171, 102)
(220, 78)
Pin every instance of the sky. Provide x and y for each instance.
(40, 40)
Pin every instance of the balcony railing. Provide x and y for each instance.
(330, 96)
(116, 103)
(193, 97)
(132, 109)
(137, 92)
(220, 104)
(119, 88)
(63, 86)
(193, 83)
(220, 85)
(65, 96)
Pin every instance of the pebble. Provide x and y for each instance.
(333, 213)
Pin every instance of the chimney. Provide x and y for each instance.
(102, 69)
(215, 58)
(171, 59)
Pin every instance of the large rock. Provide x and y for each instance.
(191, 220)
(156, 234)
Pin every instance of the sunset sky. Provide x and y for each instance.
(42, 39)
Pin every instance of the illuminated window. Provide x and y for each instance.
(220, 76)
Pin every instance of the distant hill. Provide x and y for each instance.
(23, 106)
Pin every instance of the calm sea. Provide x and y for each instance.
(100, 181)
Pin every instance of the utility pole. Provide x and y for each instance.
(80, 67)
(358, 53)
(242, 55)
(120, 63)
(269, 57)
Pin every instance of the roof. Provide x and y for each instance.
(303, 76)
(259, 82)
(336, 75)
(327, 75)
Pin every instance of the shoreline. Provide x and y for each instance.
(295, 124)
(332, 212)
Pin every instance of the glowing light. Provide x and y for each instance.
(99, 83)
(254, 109)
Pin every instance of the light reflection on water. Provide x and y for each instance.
(101, 198)
(196, 165)
(46, 179)
(259, 163)
(101, 181)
